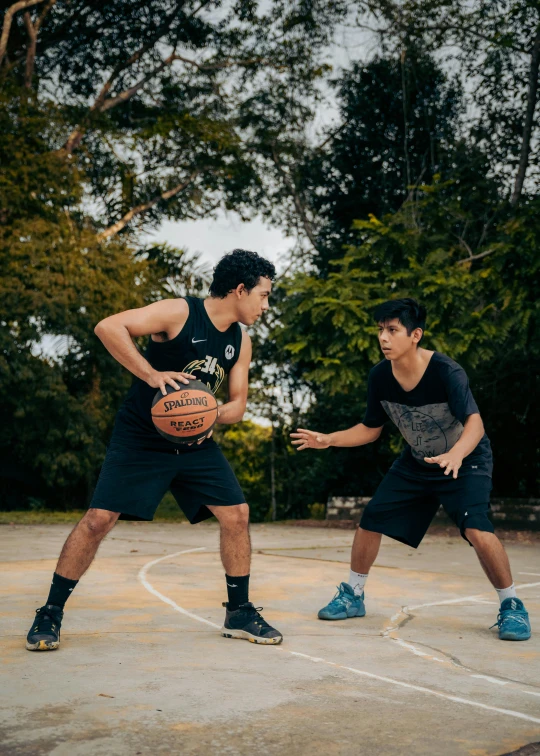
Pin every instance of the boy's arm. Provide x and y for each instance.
(363, 433)
(462, 405)
(118, 331)
(473, 432)
(233, 410)
(358, 435)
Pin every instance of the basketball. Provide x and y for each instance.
(185, 415)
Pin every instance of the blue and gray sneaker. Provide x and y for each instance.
(513, 621)
(345, 604)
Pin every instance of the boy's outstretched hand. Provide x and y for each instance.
(307, 439)
(451, 461)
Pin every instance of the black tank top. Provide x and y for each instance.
(199, 349)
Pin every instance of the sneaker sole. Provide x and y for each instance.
(512, 637)
(244, 635)
(333, 618)
(43, 645)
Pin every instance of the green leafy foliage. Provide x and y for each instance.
(480, 312)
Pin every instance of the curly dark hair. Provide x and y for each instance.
(240, 266)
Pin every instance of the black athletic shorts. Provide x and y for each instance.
(134, 481)
(403, 508)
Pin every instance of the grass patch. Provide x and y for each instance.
(168, 511)
(41, 517)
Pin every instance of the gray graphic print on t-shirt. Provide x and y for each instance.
(429, 430)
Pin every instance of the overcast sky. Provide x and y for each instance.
(213, 238)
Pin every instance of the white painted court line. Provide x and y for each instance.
(420, 688)
(362, 673)
(149, 587)
(477, 599)
(494, 680)
(467, 598)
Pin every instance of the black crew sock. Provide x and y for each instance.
(237, 590)
(61, 588)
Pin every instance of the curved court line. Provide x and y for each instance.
(391, 681)
(150, 588)
(466, 598)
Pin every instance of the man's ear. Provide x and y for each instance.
(240, 289)
(417, 335)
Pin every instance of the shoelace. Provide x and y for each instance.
(45, 622)
(339, 598)
(258, 619)
(516, 615)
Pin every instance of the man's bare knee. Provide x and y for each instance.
(478, 537)
(233, 518)
(98, 522)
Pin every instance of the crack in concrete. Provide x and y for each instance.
(404, 616)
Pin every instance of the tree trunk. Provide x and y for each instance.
(31, 51)
(298, 203)
(273, 475)
(528, 124)
(8, 18)
(144, 207)
(405, 117)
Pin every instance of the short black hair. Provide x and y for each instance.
(409, 312)
(240, 266)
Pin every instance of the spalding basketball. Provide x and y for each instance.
(186, 414)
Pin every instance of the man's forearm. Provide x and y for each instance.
(473, 432)
(118, 342)
(231, 412)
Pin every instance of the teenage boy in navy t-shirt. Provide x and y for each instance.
(447, 461)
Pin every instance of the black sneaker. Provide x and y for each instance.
(44, 634)
(246, 623)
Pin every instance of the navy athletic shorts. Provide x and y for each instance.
(134, 481)
(403, 508)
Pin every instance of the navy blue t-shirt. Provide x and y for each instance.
(430, 417)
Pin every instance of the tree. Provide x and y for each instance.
(113, 117)
(247, 445)
(497, 45)
(59, 389)
(480, 310)
(399, 119)
(149, 94)
(452, 226)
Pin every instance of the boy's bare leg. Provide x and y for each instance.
(365, 548)
(492, 557)
(77, 554)
(242, 619)
(235, 544)
(83, 542)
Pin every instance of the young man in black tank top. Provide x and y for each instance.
(188, 337)
(447, 460)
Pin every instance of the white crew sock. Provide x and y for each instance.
(357, 580)
(505, 593)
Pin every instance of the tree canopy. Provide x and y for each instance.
(422, 181)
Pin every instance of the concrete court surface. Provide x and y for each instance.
(142, 668)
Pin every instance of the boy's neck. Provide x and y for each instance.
(220, 312)
(414, 361)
